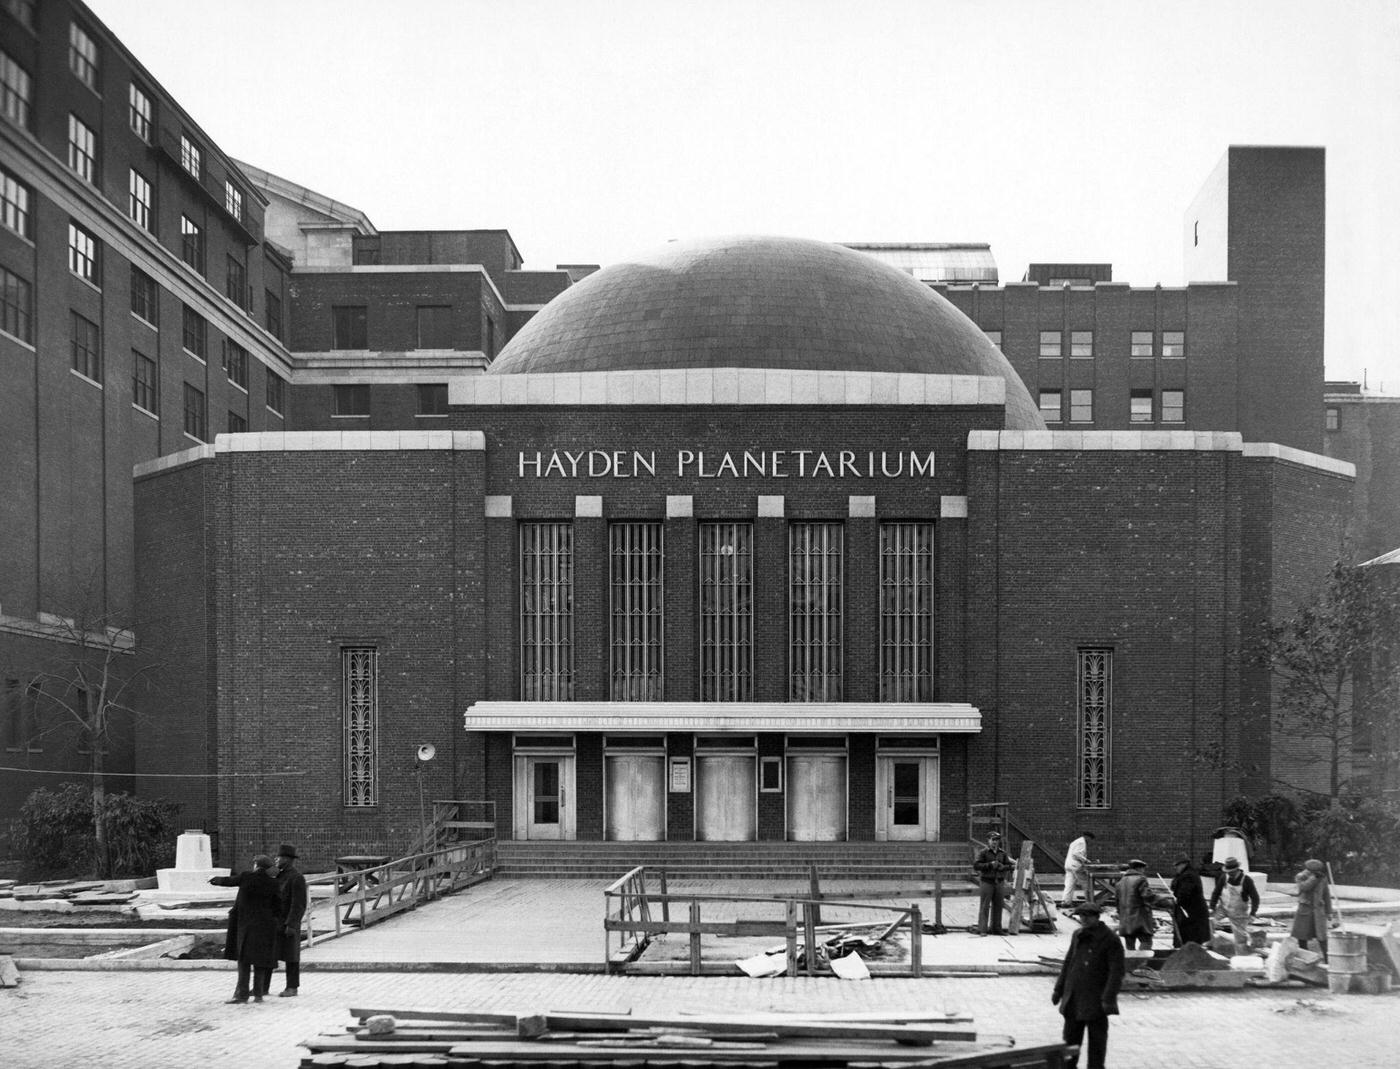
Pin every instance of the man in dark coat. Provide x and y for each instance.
(992, 865)
(1090, 978)
(1135, 921)
(253, 927)
(1190, 915)
(291, 894)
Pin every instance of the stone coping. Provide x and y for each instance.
(1153, 440)
(727, 386)
(316, 441)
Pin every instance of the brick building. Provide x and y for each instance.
(753, 539)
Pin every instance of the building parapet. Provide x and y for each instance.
(727, 386)
(317, 441)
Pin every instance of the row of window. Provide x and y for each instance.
(1170, 406)
(1081, 343)
(349, 328)
(725, 617)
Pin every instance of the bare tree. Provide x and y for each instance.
(1324, 658)
(88, 692)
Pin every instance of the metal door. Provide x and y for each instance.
(636, 800)
(725, 806)
(816, 797)
(544, 797)
(907, 798)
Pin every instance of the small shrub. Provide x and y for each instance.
(56, 835)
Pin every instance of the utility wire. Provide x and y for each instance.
(152, 775)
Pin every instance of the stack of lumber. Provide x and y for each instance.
(401, 1036)
(78, 892)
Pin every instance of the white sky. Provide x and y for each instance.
(591, 129)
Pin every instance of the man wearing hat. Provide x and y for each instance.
(252, 931)
(1191, 914)
(1314, 905)
(1236, 894)
(992, 865)
(1087, 990)
(1135, 921)
(291, 896)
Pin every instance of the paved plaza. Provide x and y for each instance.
(175, 1016)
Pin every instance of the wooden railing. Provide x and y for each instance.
(636, 912)
(455, 820)
(983, 817)
(368, 895)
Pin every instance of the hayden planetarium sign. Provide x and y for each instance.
(696, 463)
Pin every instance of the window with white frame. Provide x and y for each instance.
(726, 612)
(83, 252)
(1081, 406)
(637, 646)
(1173, 406)
(1050, 343)
(139, 112)
(233, 200)
(359, 688)
(15, 91)
(14, 204)
(906, 612)
(82, 56)
(191, 157)
(1141, 343)
(1095, 715)
(1081, 343)
(82, 149)
(546, 612)
(138, 204)
(1173, 343)
(1051, 402)
(815, 596)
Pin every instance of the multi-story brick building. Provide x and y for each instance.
(753, 539)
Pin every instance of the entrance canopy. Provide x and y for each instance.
(932, 718)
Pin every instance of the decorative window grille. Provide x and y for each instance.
(546, 612)
(814, 612)
(359, 667)
(1095, 718)
(637, 646)
(726, 612)
(906, 612)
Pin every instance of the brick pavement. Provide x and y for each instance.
(153, 1020)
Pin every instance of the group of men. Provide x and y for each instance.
(264, 926)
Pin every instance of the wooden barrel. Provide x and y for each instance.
(1346, 953)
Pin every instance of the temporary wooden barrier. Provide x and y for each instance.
(368, 895)
(635, 912)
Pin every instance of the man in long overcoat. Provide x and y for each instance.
(1135, 921)
(253, 927)
(1090, 978)
(1310, 921)
(291, 891)
(1191, 915)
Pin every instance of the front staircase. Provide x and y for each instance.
(904, 862)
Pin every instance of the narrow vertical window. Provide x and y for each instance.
(237, 423)
(144, 382)
(906, 612)
(82, 56)
(195, 333)
(726, 612)
(191, 158)
(14, 204)
(236, 282)
(139, 112)
(236, 364)
(83, 254)
(16, 306)
(1095, 700)
(546, 612)
(195, 423)
(272, 314)
(359, 672)
(637, 645)
(82, 149)
(145, 296)
(86, 348)
(15, 90)
(192, 243)
(233, 200)
(138, 204)
(814, 612)
(276, 392)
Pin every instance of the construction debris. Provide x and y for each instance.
(9, 974)
(430, 1037)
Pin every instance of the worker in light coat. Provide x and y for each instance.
(1076, 869)
(1236, 896)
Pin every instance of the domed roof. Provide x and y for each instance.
(759, 302)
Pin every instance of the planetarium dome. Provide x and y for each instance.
(759, 302)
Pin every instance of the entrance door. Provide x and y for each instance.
(636, 797)
(816, 797)
(725, 807)
(544, 797)
(907, 798)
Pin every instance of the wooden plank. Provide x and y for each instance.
(803, 1028)
(857, 1016)
(1019, 883)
